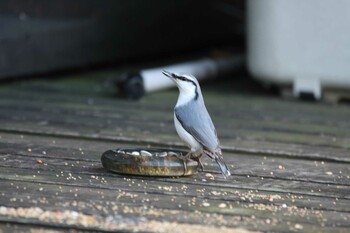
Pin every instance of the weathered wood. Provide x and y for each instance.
(289, 160)
(23, 226)
(88, 152)
(35, 225)
(240, 122)
(253, 172)
(320, 134)
(332, 197)
(151, 206)
(324, 172)
(74, 170)
(324, 175)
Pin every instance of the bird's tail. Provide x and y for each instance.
(223, 167)
(217, 155)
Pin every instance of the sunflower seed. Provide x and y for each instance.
(171, 153)
(145, 153)
(135, 153)
(162, 154)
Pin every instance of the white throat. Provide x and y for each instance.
(185, 97)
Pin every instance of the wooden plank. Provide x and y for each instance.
(23, 226)
(274, 109)
(332, 198)
(153, 206)
(107, 128)
(87, 162)
(312, 171)
(267, 124)
(290, 171)
(244, 194)
(104, 225)
(319, 132)
(268, 166)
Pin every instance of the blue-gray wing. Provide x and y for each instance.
(195, 119)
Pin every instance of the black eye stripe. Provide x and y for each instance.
(182, 78)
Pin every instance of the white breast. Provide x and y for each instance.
(190, 141)
(184, 98)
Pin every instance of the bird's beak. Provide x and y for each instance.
(168, 74)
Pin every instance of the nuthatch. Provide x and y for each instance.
(193, 123)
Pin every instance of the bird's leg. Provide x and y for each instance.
(198, 159)
(185, 159)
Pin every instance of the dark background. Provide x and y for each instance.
(43, 36)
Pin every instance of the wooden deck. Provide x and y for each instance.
(289, 161)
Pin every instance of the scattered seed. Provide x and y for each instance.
(209, 176)
(206, 204)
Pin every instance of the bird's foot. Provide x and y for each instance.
(186, 158)
(198, 160)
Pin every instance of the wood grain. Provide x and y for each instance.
(289, 162)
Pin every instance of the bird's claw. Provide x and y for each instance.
(189, 156)
(198, 160)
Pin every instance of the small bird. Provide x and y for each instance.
(193, 123)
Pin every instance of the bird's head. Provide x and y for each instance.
(187, 84)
